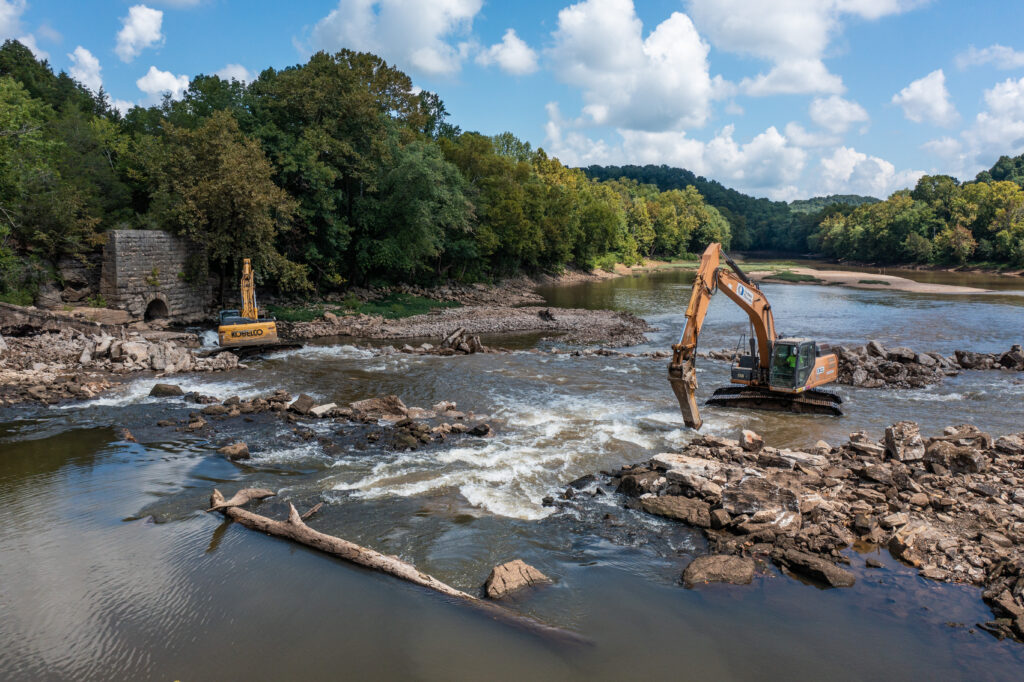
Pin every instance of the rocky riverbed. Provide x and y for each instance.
(950, 504)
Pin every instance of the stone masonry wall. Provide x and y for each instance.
(144, 267)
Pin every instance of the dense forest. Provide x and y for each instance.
(941, 220)
(333, 172)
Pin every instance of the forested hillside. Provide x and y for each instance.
(816, 204)
(328, 173)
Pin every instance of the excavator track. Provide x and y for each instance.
(815, 401)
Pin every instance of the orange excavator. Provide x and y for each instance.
(777, 374)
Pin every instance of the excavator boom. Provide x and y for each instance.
(763, 385)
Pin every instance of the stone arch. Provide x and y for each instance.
(157, 309)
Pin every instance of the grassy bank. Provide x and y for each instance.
(392, 307)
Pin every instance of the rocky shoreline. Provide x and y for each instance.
(71, 365)
(951, 505)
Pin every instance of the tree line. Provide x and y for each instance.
(329, 173)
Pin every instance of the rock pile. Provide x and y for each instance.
(70, 364)
(874, 366)
(951, 505)
(1012, 359)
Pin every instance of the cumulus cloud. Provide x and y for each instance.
(235, 72)
(653, 84)
(836, 114)
(802, 137)
(512, 54)
(766, 165)
(415, 35)
(999, 129)
(156, 82)
(927, 99)
(848, 171)
(792, 34)
(85, 68)
(1000, 56)
(140, 30)
(793, 77)
(10, 17)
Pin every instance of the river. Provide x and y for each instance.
(110, 570)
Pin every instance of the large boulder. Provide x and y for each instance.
(763, 501)
(302, 405)
(903, 442)
(166, 391)
(238, 450)
(691, 511)
(719, 568)
(389, 407)
(511, 577)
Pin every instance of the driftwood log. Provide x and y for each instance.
(295, 529)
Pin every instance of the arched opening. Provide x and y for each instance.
(156, 309)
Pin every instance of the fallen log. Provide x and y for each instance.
(295, 529)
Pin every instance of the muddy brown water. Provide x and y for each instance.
(109, 570)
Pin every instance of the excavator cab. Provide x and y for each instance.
(792, 363)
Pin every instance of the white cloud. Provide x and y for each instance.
(927, 99)
(802, 137)
(141, 30)
(235, 72)
(156, 82)
(766, 165)
(1000, 56)
(49, 33)
(848, 171)
(10, 17)
(653, 84)
(413, 34)
(793, 77)
(85, 68)
(122, 105)
(793, 34)
(836, 114)
(512, 54)
(999, 129)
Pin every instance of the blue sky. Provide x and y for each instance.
(780, 98)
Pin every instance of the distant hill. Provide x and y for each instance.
(815, 204)
(756, 223)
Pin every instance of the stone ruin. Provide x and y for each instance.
(145, 272)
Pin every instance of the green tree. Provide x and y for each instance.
(213, 185)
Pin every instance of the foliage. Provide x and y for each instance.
(394, 306)
(816, 204)
(790, 276)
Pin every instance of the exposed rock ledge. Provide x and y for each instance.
(951, 505)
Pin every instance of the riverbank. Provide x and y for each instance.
(856, 280)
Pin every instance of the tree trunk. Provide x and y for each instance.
(296, 529)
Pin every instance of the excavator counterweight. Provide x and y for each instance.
(783, 374)
(246, 331)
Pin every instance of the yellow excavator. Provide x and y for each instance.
(246, 328)
(777, 374)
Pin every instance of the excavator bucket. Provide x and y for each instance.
(684, 385)
(814, 401)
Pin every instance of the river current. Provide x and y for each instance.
(110, 570)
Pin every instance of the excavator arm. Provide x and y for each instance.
(682, 370)
(249, 309)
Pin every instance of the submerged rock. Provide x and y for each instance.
(719, 568)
